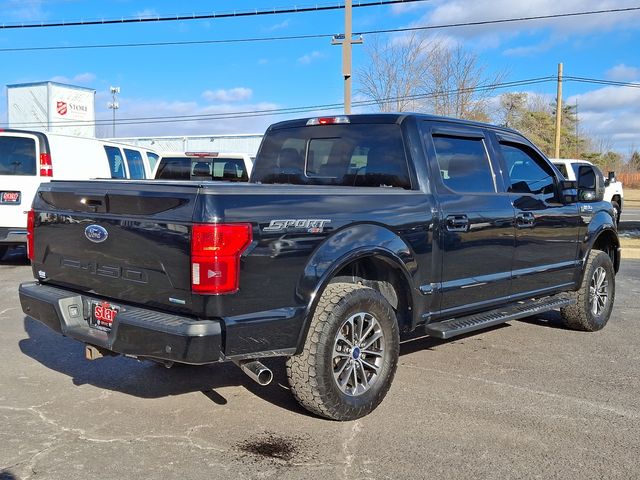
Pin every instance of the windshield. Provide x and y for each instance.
(17, 156)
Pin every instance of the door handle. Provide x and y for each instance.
(525, 220)
(457, 223)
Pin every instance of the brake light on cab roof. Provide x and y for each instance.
(201, 154)
(328, 120)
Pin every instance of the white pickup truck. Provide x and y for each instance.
(613, 188)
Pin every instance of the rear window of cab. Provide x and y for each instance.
(357, 155)
(202, 168)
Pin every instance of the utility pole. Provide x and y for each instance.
(346, 41)
(558, 111)
(577, 125)
(114, 105)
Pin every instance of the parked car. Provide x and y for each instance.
(613, 191)
(352, 230)
(229, 167)
(28, 158)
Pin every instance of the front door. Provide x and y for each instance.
(547, 230)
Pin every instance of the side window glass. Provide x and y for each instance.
(527, 172)
(153, 159)
(116, 162)
(136, 164)
(464, 164)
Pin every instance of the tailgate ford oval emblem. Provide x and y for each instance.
(96, 233)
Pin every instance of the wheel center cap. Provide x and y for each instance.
(356, 353)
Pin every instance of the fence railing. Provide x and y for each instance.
(630, 179)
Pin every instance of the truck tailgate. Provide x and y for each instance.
(126, 240)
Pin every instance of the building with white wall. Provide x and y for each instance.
(53, 107)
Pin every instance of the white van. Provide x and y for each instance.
(228, 167)
(28, 158)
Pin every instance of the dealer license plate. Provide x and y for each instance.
(102, 315)
(12, 198)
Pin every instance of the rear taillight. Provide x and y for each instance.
(31, 220)
(46, 168)
(215, 256)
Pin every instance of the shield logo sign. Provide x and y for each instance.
(62, 108)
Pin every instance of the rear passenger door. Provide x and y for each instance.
(547, 230)
(475, 230)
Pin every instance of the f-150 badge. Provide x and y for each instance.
(311, 225)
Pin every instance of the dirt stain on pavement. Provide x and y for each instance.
(272, 446)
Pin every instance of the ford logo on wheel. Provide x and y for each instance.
(96, 233)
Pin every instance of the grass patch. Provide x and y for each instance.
(630, 247)
(632, 197)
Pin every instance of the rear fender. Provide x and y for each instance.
(344, 247)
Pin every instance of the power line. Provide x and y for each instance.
(300, 109)
(332, 106)
(203, 16)
(504, 20)
(320, 35)
(603, 82)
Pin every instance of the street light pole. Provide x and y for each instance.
(114, 105)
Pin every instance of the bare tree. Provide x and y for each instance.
(424, 74)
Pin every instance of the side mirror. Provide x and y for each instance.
(569, 191)
(611, 178)
(590, 185)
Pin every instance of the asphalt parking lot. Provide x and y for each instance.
(525, 400)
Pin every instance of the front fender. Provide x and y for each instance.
(344, 247)
(601, 223)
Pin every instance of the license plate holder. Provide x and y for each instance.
(10, 198)
(102, 315)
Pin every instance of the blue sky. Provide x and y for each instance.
(187, 80)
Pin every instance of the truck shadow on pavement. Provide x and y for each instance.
(15, 256)
(146, 379)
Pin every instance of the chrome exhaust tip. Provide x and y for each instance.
(256, 371)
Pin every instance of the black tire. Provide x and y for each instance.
(582, 316)
(311, 374)
(3, 251)
(617, 211)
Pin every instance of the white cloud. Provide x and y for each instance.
(623, 73)
(531, 50)
(278, 26)
(230, 95)
(439, 12)
(311, 57)
(167, 123)
(612, 113)
(79, 79)
(147, 13)
(22, 10)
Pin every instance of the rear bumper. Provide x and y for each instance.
(136, 331)
(13, 235)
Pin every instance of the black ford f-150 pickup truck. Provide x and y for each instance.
(352, 230)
